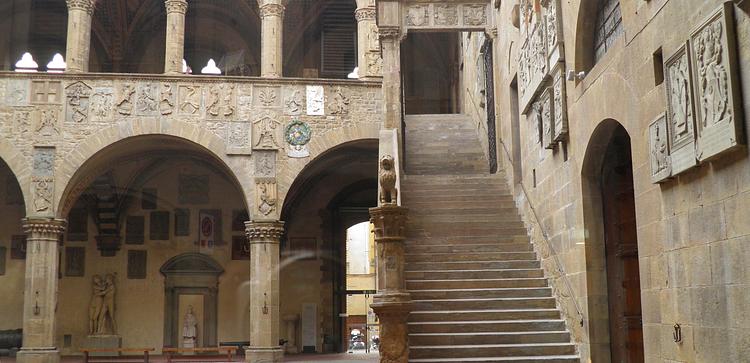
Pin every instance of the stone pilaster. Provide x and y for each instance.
(369, 58)
(40, 292)
(392, 303)
(174, 50)
(79, 35)
(390, 41)
(263, 240)
(271, 44)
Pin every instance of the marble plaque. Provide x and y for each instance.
(148, 198)
(193, 189)
(158, 226)
(658, 136)
(315, 101)
(75, 261)
(309, 325)
(532, 66)
(239, 138)
(137, 264)
(182, 222)
(548, 121)
(713, 56)
(265, 163)
(135, 230)
(3, 258)
(18, 247)
(554, 32)
(680, 111)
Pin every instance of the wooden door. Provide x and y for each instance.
(623, 278)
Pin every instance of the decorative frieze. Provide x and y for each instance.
(659, 149)
(715, 79)
(532, 66)
(447, 15)
(266, 97)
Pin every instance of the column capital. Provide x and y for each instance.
(176, 6)
(271, 9)
(363, 14)
(85, 5)
(390, 222)
(391, 34)
(44, 226)
(264, 231)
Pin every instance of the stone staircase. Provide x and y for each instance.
(478, 289)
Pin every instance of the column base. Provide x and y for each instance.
(42, 355)
(264, 354)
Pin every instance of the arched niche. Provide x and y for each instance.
(191, 274)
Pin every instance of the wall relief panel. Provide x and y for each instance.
(715, 78)
(560, 103)
(147, 103)
(77, 104)
(545, 111)
(42, 179)
(46, 92)
(189, 100)
(658, 137)
(680, 112)
(532, 66)
(101, 102)
(265, 197)
(221, 101)
(315, 101)
(239, 138)
(266, 133)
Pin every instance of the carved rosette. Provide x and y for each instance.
(390, 222)
(364, 14)
(264, 231)
(176, 6)
(272, 10)
(43, 228)
(85, 5)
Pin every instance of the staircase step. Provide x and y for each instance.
(419, 237)
(544, 359)
(490, 350)
(459, 338)
(485, 314)
(469, 256)
(485, 326)
(481, 293)
(469, 247)
(475, 283)
(473, 274)
(486, 303)
(474, 265)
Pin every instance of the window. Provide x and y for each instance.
(608, 27)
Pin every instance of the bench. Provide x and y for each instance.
(239, 345)
(223, 354)
(130, 357)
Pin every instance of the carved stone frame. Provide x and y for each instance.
(681, 152)
(191, 274)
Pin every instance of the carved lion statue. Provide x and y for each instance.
(387, 177)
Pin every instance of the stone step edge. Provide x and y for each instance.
(518, 321)
(497, 359)
(482, 311)
(491, 333)
(478, 270)
(510, 345)
(486, 299)
(482, 289)
(483, 280)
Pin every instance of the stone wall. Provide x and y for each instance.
(691, 228)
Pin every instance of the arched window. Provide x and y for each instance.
(608, 27)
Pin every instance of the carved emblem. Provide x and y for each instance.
(166, 99)
(42, 178)
(340, 103)
(297, 135)
(22, 120)
(189, 99)
(265, 163)
(77, 109)
(238, 138)
(293, 103)
(315, 101)
(659, 149)
(147, 104)
(265, 194)
(125, 103)
(220, 101)
(387, 179)
(267, 97)
(101, 103)
(446, 14)
(48, 122)
(417, 15)
(46, 92)
(475, 14)
(266, 130)
(43, 193)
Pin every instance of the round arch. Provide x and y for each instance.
(583, 57)
(89, 159)
(19, 166)
(321, 145)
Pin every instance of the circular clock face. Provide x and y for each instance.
(297, 133)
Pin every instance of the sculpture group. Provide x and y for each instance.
(102, 306)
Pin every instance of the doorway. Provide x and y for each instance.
(612, 271)
(430, 70)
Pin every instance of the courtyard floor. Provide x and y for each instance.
(342, 357)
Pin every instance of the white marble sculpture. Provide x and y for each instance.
(189, 329)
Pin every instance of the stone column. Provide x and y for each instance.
(390, 40)
(79, 35)
(272, 39)
(369, 59)
(291, 332)
(263, 238)
(174, 51)
(392, 303)
(40, 291)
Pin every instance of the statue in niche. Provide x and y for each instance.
(713, 78)
(189, 329)
(387, 176)
(102, 306)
